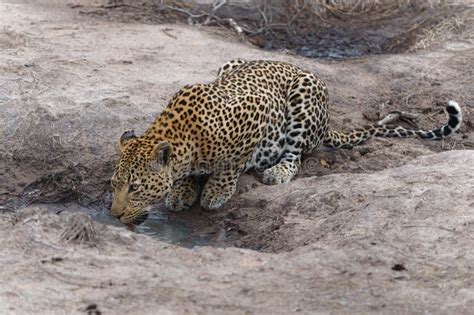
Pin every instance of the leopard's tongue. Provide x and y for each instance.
(131, 227)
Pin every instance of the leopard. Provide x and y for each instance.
(263, 115)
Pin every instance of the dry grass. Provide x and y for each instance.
(80, 229)
(291, 25)
(447, 29)
(379, 8)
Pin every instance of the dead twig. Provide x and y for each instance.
(230, 22)
(191, 16)
(119, 5)
(167, 33)
(79, 228)
(216, 5)
(398, 115)
(210, 17)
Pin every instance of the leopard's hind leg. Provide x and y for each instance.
(307, 123)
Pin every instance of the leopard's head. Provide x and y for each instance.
(142, 176)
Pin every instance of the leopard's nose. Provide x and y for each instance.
(119, 216)
(118, 213)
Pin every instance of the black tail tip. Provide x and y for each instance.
(453, 108)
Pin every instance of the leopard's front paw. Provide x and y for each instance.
(182, 196)
(178, 204)
(212, 203)
(279, 174)
(218, 190)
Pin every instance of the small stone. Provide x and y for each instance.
(364, 151)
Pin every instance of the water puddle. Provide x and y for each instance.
(157, 225)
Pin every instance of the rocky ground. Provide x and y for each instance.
(386, 227)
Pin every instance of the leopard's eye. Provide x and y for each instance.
(114, 183)
(133, 187)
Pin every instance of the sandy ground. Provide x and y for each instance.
(385, 227)
(396, 241)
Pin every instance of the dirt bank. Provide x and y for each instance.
(397, 241)
(352, 232)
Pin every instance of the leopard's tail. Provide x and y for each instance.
(347, 140)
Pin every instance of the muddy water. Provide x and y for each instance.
(157, 225)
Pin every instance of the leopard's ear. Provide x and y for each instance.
(126, 136)
(161, 154)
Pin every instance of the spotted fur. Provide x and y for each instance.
(256, 114)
